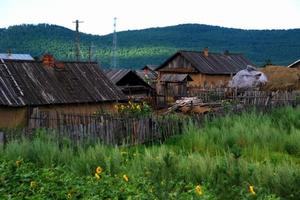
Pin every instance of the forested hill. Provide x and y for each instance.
(152, 46)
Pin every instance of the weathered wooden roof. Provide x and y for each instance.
(175, 78)
(151, 67)
(152, 75)
(6, 56)
(122, 77)
(32, 83)
(115, 75)
(214, 63)
(294, 64)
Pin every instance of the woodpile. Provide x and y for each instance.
(192, 105)
(281, 78)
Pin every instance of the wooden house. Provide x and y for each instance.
(132, 85)
(295, 64)
(47, 85)
(200, 69)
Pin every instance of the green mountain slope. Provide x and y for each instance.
(152, 46)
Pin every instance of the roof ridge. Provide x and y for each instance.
(216, 53)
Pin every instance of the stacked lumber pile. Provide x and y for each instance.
(192, 105)
(281, 78)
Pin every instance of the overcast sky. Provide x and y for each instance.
(138, 14)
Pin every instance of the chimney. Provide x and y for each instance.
(48, 60)
(205, 52)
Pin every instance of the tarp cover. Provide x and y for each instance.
(248, 78)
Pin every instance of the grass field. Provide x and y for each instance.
(248, 156)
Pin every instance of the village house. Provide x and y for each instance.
(130, 83)
(47, 85)
(188, 70)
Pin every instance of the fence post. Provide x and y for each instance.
(2, 139)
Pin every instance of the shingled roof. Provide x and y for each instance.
(213, 63)
(32, 83)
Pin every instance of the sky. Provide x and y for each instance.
(97, 15)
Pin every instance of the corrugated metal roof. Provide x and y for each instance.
(294, 63)
(175, 78)
(214, 63)
(31, 83)
(13, 56)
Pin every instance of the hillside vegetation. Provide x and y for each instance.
(152, 46)
(248, 156)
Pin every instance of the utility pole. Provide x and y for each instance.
(77, 49)
(114, 48)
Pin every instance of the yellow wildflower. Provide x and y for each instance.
(33, 184)
(251, 190)
(125, 177)
(122, 107)
(138, 107)
(199, 190)
(97, 176)
(18, 163)
(99, 170)
(69, 195)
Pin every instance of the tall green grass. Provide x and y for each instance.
(226, 156)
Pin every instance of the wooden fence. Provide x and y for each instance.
(116, 130)
(107, 128)
(249, 97)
